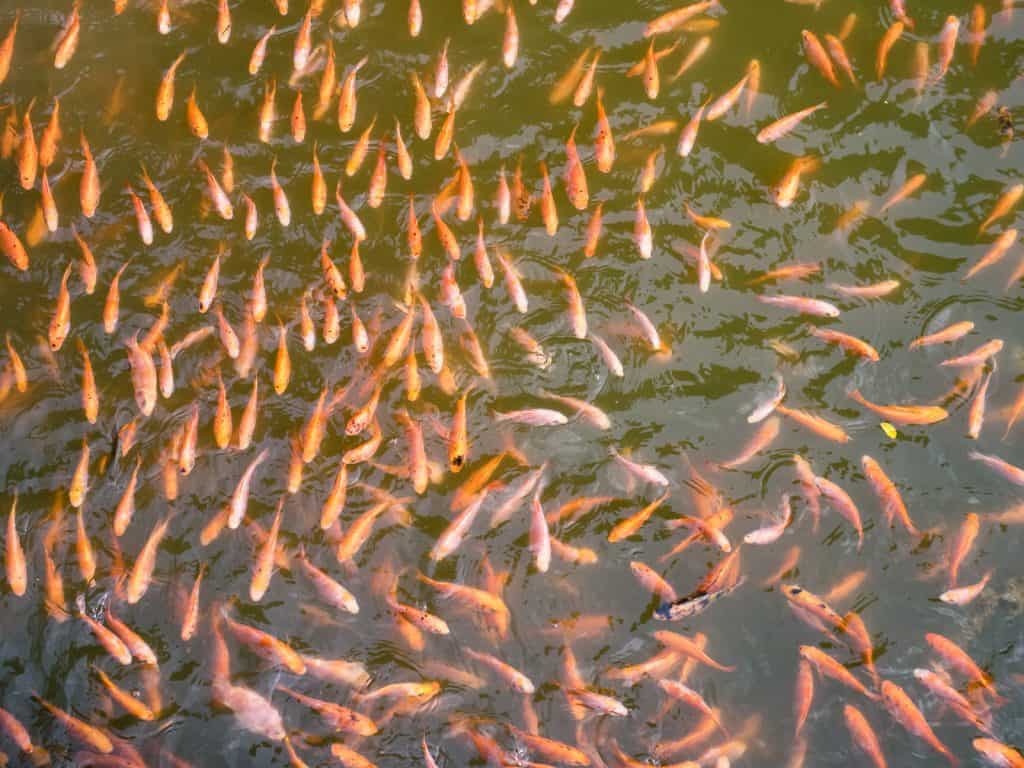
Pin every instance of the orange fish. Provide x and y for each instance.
(816, 424)
(6, 55)
(905, 712)
(13, 248)
(910, 186)
(93, 737)
(816, 55)
(17, 573)
(196, 119)
(892, 34)
(604, 149)
(89, 188)
(947, 44)
(902, 414)
(888, 494)
(837, 51)
(687, 647)
(829, 667)
(165, 91)
(673, 20)
(864, 735)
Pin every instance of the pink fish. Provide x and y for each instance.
(648, 473)
(800, 304)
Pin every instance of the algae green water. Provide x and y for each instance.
(682, 409)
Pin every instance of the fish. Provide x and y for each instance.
(888, 494)
(458, 443)
(725, 102)
(347, 97)
(534, 417)
(28, 152)
(921, 415)
(253, 712)
(829, 667)
(575, 177)
(590, 412)
(338, 717)
(863, 735)
(997, 753)
(961, 596)
(976, 413)
(818, 57)
(785, 192)
(848, 342)
(647, 473)
(946, 335)
(947, 44)
(126, 700)
(452, 536)
(765, 406)
(975, 357)
(91, 736)
(903, 710)
(695, 54)
(13, 248)
(815, 307)
(6, 56)
(761, 439)
(632, 524)
(142, 573)
(837, 52)
(1009, 471)
(143, 374)
(985, 105)
(259, 51)
(771, 533)
(842, 503)
(109, 640)
(1004, 205)
(165, 92)
(687, 647)
(217, 193)
(598, 702)
(14, 555)
(240, 496)
(60, 322)
(784, 125)
(604, 143)
(10, 725)
(961, 545)
(694, 604)
(672, 20)
(892, 34)
(566, 85)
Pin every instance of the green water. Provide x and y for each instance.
(686, 408)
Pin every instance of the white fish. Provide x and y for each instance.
(646, 472)
(766, 406)
(769, 534)
(535, 417)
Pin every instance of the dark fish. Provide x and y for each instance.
(693, 604)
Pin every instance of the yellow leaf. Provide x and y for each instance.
(889, 429)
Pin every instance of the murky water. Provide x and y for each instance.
(682, 409)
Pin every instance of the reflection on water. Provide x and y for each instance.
(514, 391)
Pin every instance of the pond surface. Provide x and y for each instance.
(679, 353)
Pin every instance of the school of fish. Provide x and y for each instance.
(410, 446)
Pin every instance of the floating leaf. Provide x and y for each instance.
(889, 429)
